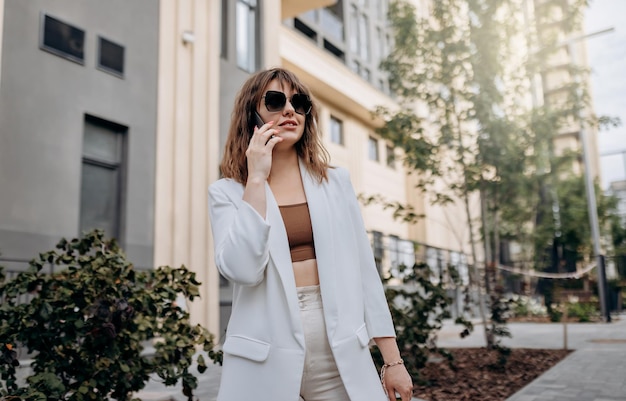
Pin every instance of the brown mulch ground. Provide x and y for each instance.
(476, 378)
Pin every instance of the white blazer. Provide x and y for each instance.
(264, 347)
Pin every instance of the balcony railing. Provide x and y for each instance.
(390, 252)
(331, 24)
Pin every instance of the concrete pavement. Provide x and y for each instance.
(595, 371)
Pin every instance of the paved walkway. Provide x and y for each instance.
(596, 371)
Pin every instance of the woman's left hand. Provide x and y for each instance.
(398, 380)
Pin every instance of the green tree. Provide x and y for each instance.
(438, 68)
(480, 133)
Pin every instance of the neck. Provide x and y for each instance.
(284, 163)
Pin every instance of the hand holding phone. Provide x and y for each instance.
(258, 120)
(259, 123)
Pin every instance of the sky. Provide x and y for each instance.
(607, 59)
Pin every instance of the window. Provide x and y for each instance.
(62, 39)
(372, 149)
(359, 33)
(246, 22)
(336, 131)
(354, 29)
(111, 57)
(337, 52)
(304, 28)
(332, 21)
(376, 47)
(102, 176)
(364, 45)
(391, 156)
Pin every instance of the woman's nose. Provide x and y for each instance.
(289, 107)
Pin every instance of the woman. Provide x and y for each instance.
(288, 233)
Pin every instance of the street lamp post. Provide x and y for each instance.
(591, 194)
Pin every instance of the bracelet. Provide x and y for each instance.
(384, 368)
(388, 365)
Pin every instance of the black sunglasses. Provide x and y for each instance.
(275, 101)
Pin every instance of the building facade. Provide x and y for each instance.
(114, 115)
(562, 69)
(78, 108)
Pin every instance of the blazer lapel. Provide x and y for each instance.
(323, 235)
(279, 252)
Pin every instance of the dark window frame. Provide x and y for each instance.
(43, 18)
(121, 165)
(371, 140)
(101, 67)
(339, 122)
(252, 41)
(391, 156)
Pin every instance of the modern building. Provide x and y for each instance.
(114, 115)
(563, 68)
(78, 124)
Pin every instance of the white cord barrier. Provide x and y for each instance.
(532, 273)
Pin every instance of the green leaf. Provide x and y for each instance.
(118, 311)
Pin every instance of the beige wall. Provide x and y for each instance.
(187, 145)
(343, 94)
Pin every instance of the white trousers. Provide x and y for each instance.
(320, 379)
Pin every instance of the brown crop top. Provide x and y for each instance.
(299, 231)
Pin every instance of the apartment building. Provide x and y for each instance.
(560, 72)
(114, 114)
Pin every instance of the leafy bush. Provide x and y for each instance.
(582, 311)
(86, 325)
(418, 308)
(527, 306)
(578, 311)
(555, 313)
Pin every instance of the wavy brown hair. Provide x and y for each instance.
(309, 148)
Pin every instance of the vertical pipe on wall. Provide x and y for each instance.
(1, 30)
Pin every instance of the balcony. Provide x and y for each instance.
(291, 8)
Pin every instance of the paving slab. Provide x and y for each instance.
(595, 371)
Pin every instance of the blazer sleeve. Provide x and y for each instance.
(240, 236)
(377, 316)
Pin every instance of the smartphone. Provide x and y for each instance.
(258, 120)
(255, 121)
